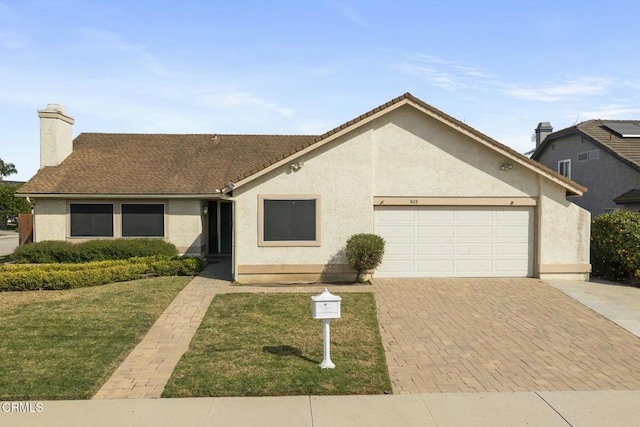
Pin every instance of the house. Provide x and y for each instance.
(448, 200)
(603, 155)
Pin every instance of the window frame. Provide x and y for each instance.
(164, 220)
(288, 197)
(566, 163)
(86, 236)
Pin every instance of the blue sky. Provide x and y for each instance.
(304, 67)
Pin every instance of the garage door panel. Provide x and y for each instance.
(474, 249)
(481, 267)
(456, 241)
(434, 249)
(399, 249)
(443, 215)
(474, 215)
(395, 215)
(511, 248)
(435, 232)
(442, 267)
(396, 232)
(474, 231)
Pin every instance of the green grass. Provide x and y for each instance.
(268, 345)
(66, 344)
(4, 259)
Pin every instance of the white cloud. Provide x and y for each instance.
(351, 15)
(611, 111)
(562, 91)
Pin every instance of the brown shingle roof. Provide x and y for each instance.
(130, 164)
(160, 164)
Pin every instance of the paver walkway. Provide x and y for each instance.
(147, 369)
(499, 335)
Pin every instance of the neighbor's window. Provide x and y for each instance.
(564, 168)
(142, 220)
(290, 221)
(91, 219)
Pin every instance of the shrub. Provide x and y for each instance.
(23, 277)
(364, 252)
(615, 246)
(91, 250)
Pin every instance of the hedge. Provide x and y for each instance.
(615, 246)
(364, 252)
(50, 251)
(23, 277)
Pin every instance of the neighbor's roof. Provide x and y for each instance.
(631, 196)
(626, 149)
(160, 164)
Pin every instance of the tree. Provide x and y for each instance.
(10, 205)
(7, 169)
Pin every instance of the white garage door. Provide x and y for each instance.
(455, 241)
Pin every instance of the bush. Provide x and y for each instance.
(91, 250)
(24, 277)
(364, 252)
(615, 246)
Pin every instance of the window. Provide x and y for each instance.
(142, 220)
(91, 219)
(289, 221)
(564, 168)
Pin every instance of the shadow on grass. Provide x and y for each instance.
(287, 350)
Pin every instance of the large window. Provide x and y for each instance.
(142, 220)
(564, 168)
(290, 221)
(91, 219)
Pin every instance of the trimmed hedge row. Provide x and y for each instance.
(50, 251)
(18, 277)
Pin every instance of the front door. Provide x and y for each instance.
(220, 227)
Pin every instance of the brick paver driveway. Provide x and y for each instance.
(465, 335)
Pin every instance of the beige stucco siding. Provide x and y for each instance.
(563, 234)
(183, 221)
(406, 154)
(340, 173)
(415, 155)
(185, 225)
(50, 220)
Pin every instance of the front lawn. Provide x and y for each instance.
(66, 344)
(268, 345)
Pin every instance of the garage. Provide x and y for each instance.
(445, 241)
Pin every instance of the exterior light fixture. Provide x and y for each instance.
(295, 167)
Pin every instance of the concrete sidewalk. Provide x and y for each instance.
(549, 409)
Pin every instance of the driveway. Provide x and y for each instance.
(499, 335)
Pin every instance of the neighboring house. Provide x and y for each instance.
(448, 200)
(602, 155)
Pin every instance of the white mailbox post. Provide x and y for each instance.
(326, 306)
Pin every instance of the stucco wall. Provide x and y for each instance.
(606, 177)
(184, 225)
(50, 220)
(418, 156)
(341, 174)
(183, 222)
(563, 230)
(406, 154)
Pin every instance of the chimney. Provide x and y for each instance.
(543, 129)
(55, 135)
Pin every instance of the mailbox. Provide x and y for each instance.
(325, 306)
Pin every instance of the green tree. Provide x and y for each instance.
(10, 205)
(7, 169)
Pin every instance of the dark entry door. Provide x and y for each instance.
(220, 227)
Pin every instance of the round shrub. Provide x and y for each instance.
(615, 246)
(364, 252)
